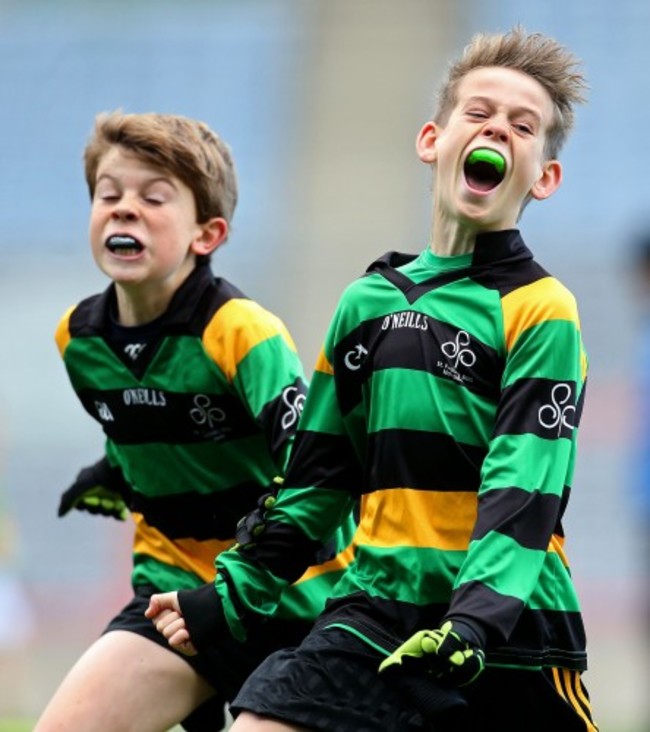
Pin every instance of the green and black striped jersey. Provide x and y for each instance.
(447, 399)
(199, 410)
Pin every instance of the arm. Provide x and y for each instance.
(98, 489)
(256, 353)
(525, 482)
(527, 474)
(317, 496)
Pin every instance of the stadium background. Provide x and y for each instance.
(320, 101)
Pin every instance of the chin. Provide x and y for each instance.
(122, 276)
(479, 221)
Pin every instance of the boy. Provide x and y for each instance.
(198, 390)
(447, 398)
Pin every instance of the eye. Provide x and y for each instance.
(477, 114)
(157, 194)
(524, 128)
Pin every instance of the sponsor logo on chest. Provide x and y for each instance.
(143, 396)
(405, 319)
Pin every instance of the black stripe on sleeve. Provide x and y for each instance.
(284, 550)
(527, 517)
(280, 416)
(497, 613)
(541, 407)
(324, 461)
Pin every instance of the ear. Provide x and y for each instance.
(548, 182)
(213, 233)
(425, 143)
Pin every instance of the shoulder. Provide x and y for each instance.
(240, 317)
(377, 277)
(546, 296)
(75, 321)
(537, 307)
(237, 327)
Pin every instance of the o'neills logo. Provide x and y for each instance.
(143, 396)
(406, 319)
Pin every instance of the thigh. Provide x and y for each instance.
(330, 682)
(124, 682)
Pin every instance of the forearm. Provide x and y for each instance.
(203, 614)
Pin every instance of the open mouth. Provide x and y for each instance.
(124, 245)
(484, 169)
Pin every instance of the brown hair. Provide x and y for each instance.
(186, 148)
(539, 56)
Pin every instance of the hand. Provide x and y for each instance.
(99, 489)
(443, 653)
(165, 613)
(253, 524)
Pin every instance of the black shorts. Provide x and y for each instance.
(225, 668)
(330, 682)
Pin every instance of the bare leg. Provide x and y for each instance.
(124, 683)
(249, 722)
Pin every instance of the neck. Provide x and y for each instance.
(140, 305)
(138, 310)
(449, 239)
(451, 236)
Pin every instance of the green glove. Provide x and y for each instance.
(99, 489)
(443, 653)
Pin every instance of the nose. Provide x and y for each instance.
(125, 209)
(496, 130)
(123, 214)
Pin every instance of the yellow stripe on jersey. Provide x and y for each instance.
(187, 554)
(62, 334)
(543, 300)
(557, 545)
(323, 365)
(340, 561)
(584, 364)
(237, 327)
(408, 517)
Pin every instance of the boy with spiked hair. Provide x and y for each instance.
(198, 390)
(447, 399)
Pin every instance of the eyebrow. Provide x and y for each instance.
(517, 110)
(157, 179)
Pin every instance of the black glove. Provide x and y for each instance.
(444, 653)
(253, 524)
(99, 489)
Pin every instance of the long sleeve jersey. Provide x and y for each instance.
(199, 410)
(446, 399)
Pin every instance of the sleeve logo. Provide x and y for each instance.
(294, 400)
(559, 413)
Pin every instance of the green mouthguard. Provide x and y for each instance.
(483, 155)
